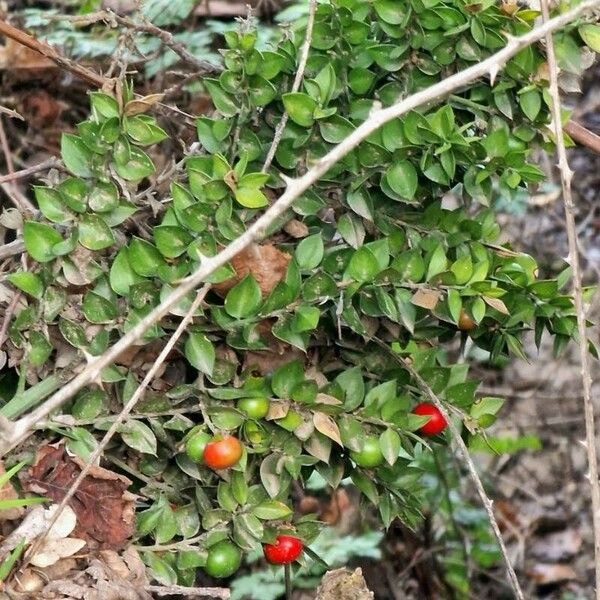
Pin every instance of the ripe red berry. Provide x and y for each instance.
(436, 424)
(285, 550)
(222, 452)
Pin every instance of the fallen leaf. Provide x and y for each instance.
(104, 508)
(264, 262)
(556, 546)
(545, 574)
(16, 56)
(426, 298)
(297, 229)
(54, 549)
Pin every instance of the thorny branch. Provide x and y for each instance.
(51, 163)
(312, 9)
(44, 49)
(588, 406)
(22, 428)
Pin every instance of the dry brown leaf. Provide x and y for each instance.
(327, 426)
(327, 399)
(264, 262)
(426, 298)
(277, 410)
(104, 508)
(559, 545)
(496, 304)
(16, 56)
(544, 573)
(141, 105)
(297, 229)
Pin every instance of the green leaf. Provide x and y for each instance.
(402, 177)
(300, 107)
(243, 299)
(531, 104)
(250, 197)
(286, 378)
(590, 34)
(122, 276)
(462, 269)
(353, 385)
(390, 444)
(269, 510)
(94, 233)
(486, 406)
(104, 197)
(437, 263)
(97, 309)
(144, 258)
(171, 241)
(138, 166)
(454, 304)
(309, 252)
(306, 318)
(139, 436)
(39, 240)
(351, 229)
(51, 205)
(76, 155)
(104, 106)
(28, 282)
(223, 102)
(363, 265)
(39, 349)
(200, 352)
(390, 11)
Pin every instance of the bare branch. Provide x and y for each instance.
(296, 187)
(16, 197)
(49, 52)
(312, 9)
(586, 379)
(51, 163)
(139, 392)
(584, 137)
(13, 114)
(12, 248)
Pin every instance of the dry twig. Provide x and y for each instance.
(49, 52)
(51, 163)
(588, 406)
(583, 136)
(312, 9)
(296, 187)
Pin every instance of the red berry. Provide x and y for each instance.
(436, 424)
(222, 452)
(285, 550)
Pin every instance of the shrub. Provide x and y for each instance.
(391, 257)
